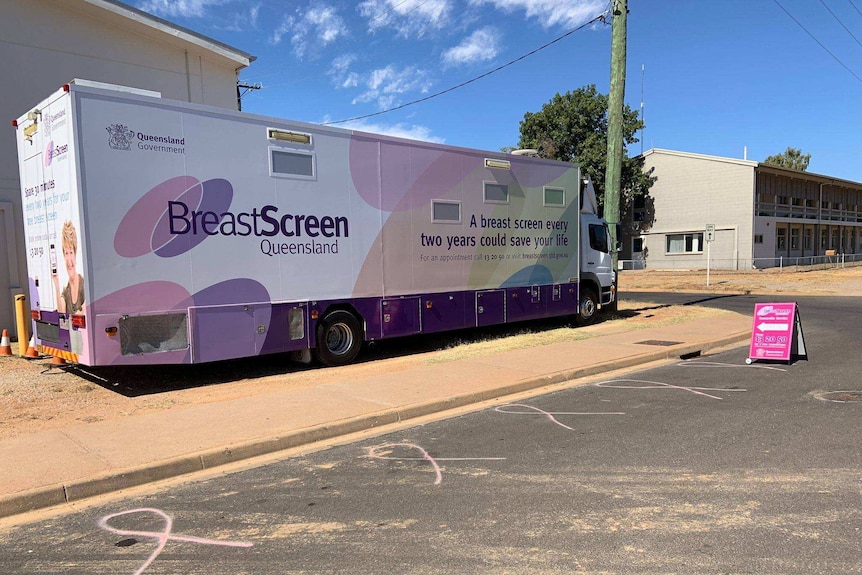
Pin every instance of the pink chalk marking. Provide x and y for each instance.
(375, 453)
(719, 364)
(660, 385)
(550, 415)
(162, 537)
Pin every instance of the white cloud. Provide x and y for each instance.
(282, 29)
(316, 27)
(385, 85)
(181, 8)
(350, 81)
(242, 21)
(399, 130)
(343, 62)
(480, 46)
(407, 18)
(551, 13)
(340, 74)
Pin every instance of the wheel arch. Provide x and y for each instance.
(341, 306)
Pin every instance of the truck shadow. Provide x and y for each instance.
(141, 380)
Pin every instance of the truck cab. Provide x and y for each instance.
(598, 279)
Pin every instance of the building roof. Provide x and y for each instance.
(737, 161)
(769, 168)
(810, 176)
(119, 10)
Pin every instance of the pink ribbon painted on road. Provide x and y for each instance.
(550, 415)
(374, 452)
(660, 385)
(162, 537)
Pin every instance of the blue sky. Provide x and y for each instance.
(720, 76)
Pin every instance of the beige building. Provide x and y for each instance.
(46, 43)
(755, 214)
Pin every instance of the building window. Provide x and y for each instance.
(637, 245)
(808, 239)
(684, 243)
(781, 239)
(794, 238)
(639, 208)
(758, 238)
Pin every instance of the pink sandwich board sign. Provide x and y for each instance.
(776, 332)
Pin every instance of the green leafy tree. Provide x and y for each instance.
(573, 127)
(791, 158)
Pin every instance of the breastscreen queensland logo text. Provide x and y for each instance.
(53, 152)
(180, 213)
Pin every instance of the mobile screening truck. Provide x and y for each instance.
(164, 232)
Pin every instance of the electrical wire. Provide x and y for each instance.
(840, 22)
(477, 78)
(798, 23)
(854, 5)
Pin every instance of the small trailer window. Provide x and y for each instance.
(286, 163)
(446, 212)
(496, 193)
(555, 197)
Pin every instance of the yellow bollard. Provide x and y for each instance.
(22, 317)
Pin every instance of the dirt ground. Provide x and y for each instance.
(36, 396)
(836, 281)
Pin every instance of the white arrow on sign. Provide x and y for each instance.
(773, 326)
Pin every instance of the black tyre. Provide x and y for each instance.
(588, 307)
(339, 338)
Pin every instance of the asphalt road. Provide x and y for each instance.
(701, 466)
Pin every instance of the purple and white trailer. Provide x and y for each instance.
(163, 232)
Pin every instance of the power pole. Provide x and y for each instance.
(613, 174)
(248, 88)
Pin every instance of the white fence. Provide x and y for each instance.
(781, 262)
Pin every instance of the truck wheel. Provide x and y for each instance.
(588, 308)
(339, 338)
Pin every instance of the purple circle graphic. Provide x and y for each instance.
(148, 227)
(210, 197)
(49, 153)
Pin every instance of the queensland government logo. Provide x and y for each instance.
(120, 137)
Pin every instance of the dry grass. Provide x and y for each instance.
(635, 314)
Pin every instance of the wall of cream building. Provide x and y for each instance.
(46, 43)
(692, 191)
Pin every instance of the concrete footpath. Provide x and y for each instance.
(60, 466)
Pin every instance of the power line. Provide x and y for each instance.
(798, 23)
(840, 22)
(854, 5)
(477, 78)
